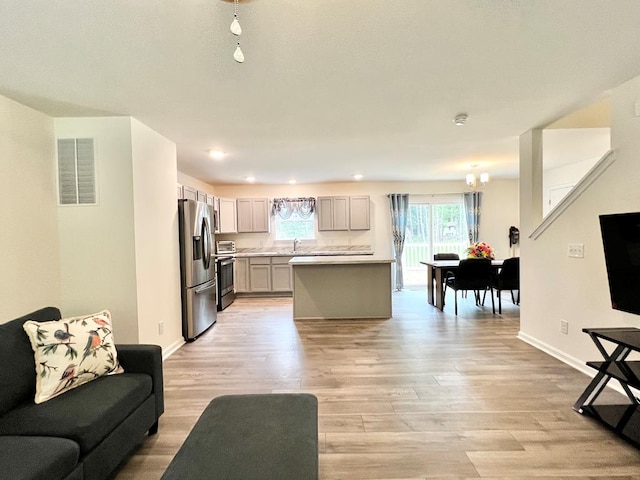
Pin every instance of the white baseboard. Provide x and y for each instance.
(171, 349)
(564, 358)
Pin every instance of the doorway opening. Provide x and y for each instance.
(436, 224)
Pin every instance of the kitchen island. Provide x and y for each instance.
(339, 287)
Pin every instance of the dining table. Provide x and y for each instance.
(435, 278)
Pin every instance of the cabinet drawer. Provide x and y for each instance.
(259, 260)
(280, 260)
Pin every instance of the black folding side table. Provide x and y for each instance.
(623, 419)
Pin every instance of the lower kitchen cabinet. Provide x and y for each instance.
(263, 275)
(281, 274)
(241, 275)
(260, 274)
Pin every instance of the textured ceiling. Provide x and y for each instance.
(329, 88)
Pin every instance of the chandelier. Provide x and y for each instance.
(477, 182)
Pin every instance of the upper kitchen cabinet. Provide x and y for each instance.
(343, 213)
(189, 193)
(179, 192)
(202, 196)
(359, 212)
(211, 201)
(253, 215)
(333, 213)
(227, 221)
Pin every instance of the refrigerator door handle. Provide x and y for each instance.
(206, 286)
(206, 234)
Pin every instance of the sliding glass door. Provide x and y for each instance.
(436, 224)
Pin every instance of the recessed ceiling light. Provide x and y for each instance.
(250, 179)
(357, 176)
(217, 154)
(292, 182)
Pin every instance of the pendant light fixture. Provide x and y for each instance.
(236, 29)
(474, 181)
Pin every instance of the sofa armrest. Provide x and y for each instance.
(145, 359)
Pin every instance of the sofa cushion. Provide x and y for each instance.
(86, 414)
(35, 458)
(17, 366)
(71, 352)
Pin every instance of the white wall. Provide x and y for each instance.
(122, 254)
(556, 287)
(184, 179)
(29, 259)
(568, 154)
(97, 248)
(156, 236)
(500, 210)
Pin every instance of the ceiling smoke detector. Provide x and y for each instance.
(460, 119)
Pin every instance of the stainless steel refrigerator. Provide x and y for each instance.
(197, 268)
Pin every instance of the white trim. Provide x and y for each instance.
(564, 358)
(591, 176)
(171, 349)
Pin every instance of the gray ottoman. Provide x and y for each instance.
(257, 437)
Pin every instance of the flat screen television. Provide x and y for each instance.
(621, 241)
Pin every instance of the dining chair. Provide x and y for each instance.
(508, 278)
(446, 273)
(472, 274)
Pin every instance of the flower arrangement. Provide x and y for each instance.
(480, 250)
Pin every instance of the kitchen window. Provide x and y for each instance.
(294, 218)
(295, 227)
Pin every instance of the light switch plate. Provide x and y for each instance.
(576, 250)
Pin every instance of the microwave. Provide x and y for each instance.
(225, 246)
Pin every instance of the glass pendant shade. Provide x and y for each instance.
(471, 179)
(238, 55)
(235, 27)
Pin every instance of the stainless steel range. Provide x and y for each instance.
(225, 251)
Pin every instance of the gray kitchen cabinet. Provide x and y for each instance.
(359, 214)
(253, 215)
(189, 193)
(216, 209)
(241, 275)
(227, 215)
(343, 213)
(281, 280)
(211, 201)
(263, 275)
(260, 274)
(333, 213)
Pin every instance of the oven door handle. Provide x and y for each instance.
(227, 261)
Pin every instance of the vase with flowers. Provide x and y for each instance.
(480, 250)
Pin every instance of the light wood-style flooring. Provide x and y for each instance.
(423, 395)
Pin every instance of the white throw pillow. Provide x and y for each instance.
(71, 351)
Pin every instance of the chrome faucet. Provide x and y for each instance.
(295, 243)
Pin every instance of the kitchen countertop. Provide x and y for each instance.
(302, 251)
(339, 260)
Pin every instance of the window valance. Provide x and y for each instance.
(285, 207)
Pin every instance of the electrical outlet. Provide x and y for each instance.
(576, 250)
(564, 327)
(161, 328)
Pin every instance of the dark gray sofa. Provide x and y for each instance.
(84, 433)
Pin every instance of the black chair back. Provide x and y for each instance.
(509, 275)
(473, 274)
(446, 256)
